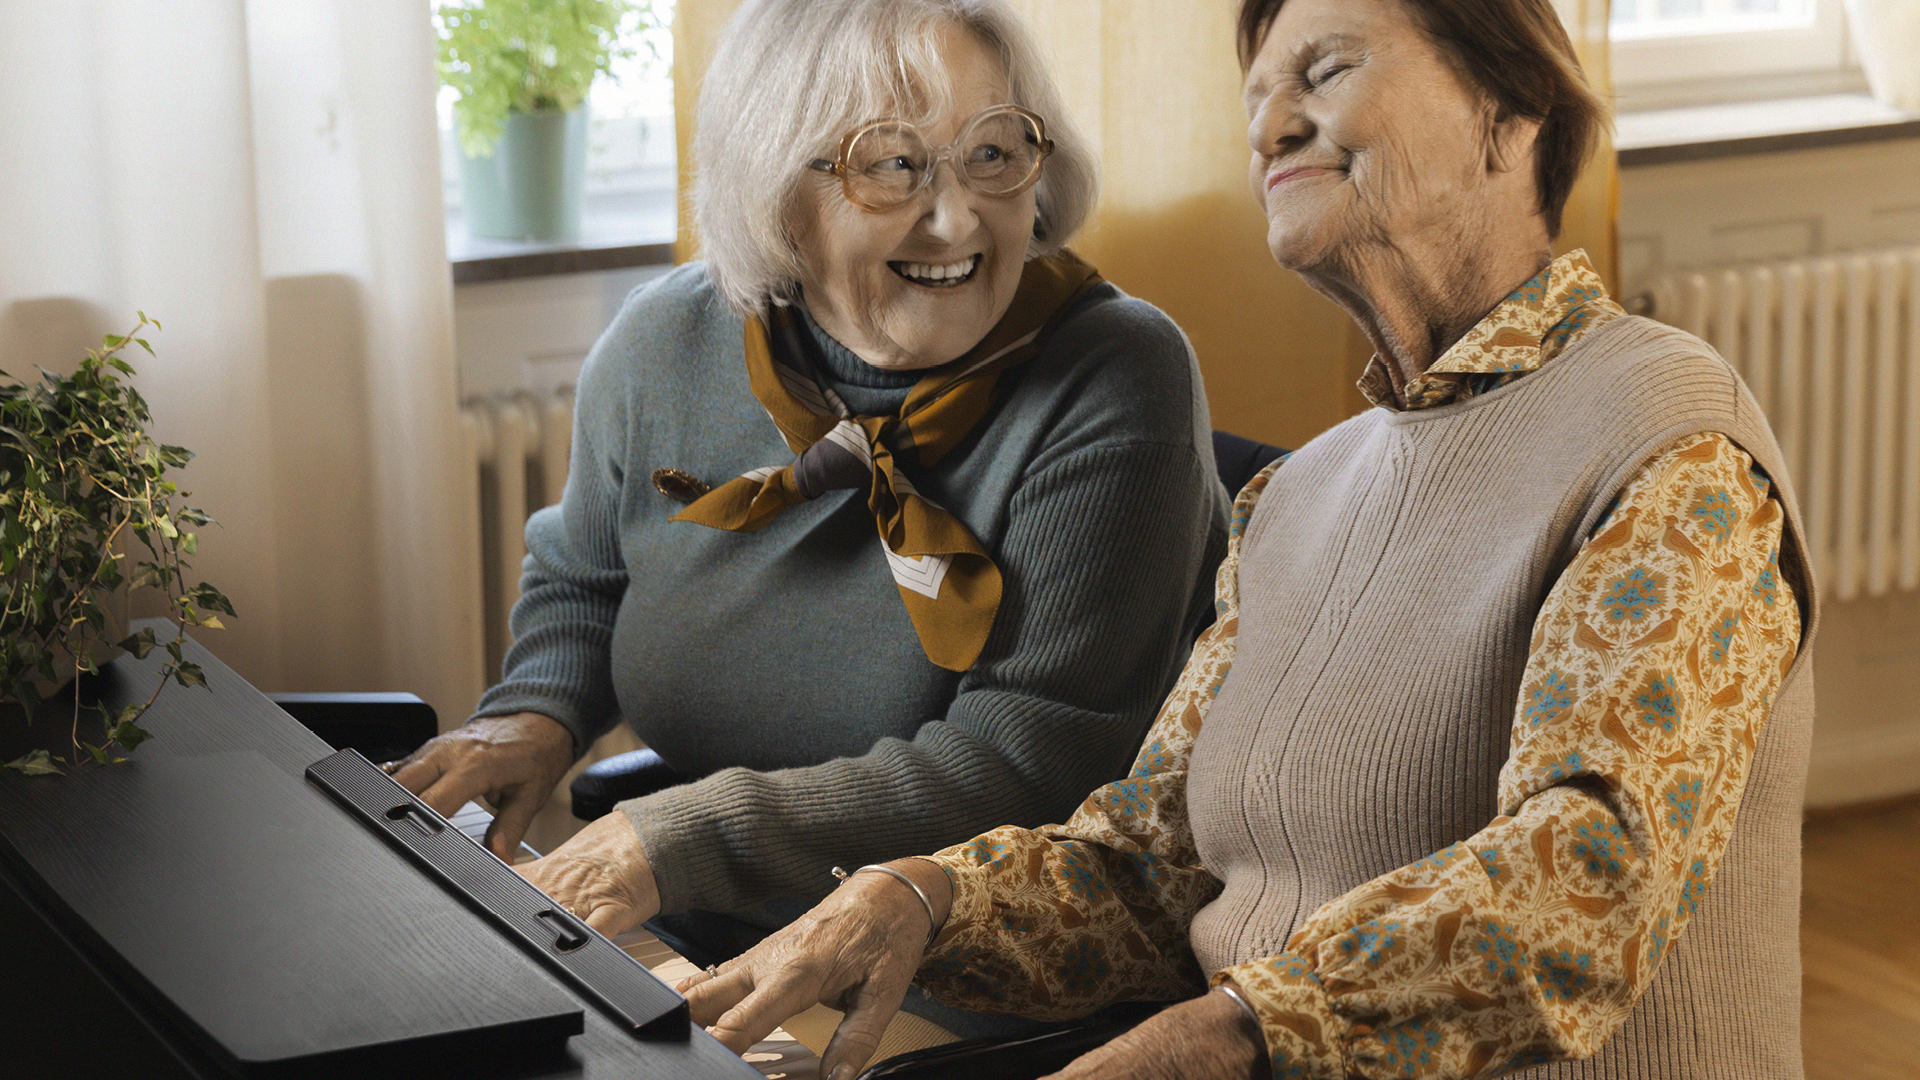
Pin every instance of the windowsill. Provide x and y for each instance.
(1656, 137)
(617, 230)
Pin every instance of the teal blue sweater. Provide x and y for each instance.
(780, 666)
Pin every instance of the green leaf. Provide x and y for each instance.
(142, 342)
(140, 644)
(188, 673)
(36, 763)
(128, 734)
(98, 753)
(211, 598)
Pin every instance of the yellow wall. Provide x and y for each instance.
(1155, 86)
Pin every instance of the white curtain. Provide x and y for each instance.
(262, 176)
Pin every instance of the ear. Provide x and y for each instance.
(1510, 142)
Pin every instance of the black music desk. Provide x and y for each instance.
(204, 911)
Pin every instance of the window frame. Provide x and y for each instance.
(1738, 65)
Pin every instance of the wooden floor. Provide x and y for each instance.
(1860, 943)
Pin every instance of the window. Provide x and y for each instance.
(631, 156)
(1679, 52)
(1641, 19)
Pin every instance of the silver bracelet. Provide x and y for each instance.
(933, 924)
(1242, 1002)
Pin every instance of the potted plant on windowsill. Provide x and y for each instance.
(87, 516)
(523, 69)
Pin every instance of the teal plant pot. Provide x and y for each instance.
(532, 186)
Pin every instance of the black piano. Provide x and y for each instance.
(237, 900)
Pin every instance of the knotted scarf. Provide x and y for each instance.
(948, 582)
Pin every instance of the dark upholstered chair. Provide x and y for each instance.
(382, 727)
(1238, 460)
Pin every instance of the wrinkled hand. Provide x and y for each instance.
(514, 761)
(856, 952)
(1208, 1038)
(601, 875)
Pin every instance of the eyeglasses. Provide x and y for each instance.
(885, 163)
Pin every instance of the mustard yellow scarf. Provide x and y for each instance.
(948, 582)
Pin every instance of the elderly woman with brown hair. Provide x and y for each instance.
(1493, 760)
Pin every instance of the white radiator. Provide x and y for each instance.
(518, 445)
(1831, 349)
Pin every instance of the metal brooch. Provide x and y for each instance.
(678, 485)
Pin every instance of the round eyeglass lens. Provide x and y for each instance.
(1000, 152)
(885, 164)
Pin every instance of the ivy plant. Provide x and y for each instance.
(86, 514)
(506, 56)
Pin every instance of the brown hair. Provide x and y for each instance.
(1517, 53)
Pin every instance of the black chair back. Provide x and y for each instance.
(1239, 460)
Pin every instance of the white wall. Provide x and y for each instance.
(1689, 215)
(532, 333)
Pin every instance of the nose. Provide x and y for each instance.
(1278, 126)
(950, 216)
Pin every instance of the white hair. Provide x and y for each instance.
(790, 77)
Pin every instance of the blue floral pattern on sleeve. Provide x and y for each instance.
(1634, 595)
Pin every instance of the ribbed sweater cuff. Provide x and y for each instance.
(508, 699)
(671, 825)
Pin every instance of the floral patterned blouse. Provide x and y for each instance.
(1678, 584)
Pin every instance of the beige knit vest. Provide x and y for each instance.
(1388, 584)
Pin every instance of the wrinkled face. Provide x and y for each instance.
(1363, 133)
(920, 284)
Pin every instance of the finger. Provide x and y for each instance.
(685, 986)
(417, 773)
(511, 823)
(450, 791)
(609, 918)
(858, 1035)
(757, 1014)
(709, 994)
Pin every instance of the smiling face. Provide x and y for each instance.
(1365, 137)
(920, 284)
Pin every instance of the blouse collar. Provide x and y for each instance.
(1555, 308)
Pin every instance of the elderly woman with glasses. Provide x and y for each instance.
(887, 522)
(1493, 760)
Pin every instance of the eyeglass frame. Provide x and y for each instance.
(840, 167)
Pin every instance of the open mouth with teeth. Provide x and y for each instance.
(948, 276)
